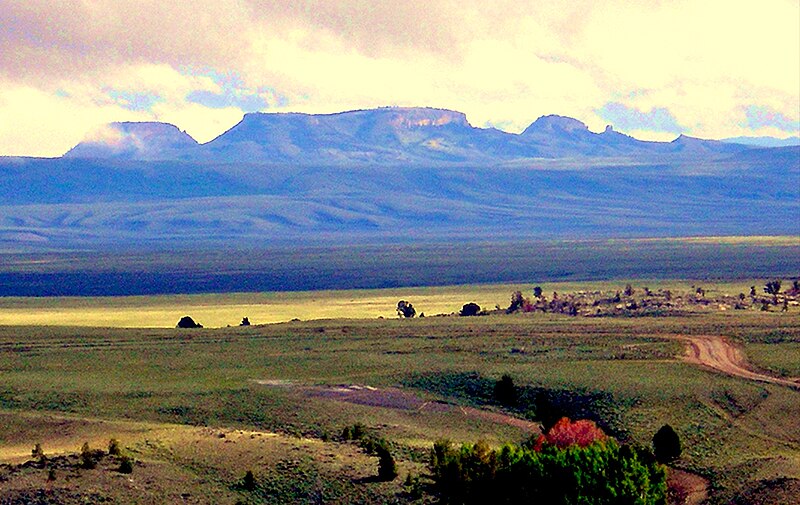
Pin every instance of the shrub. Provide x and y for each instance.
(629, 291)
(470, 309)
(113, 447)
(188, 322)
(354, 432)
(505, 393)
(405, 309)
(125, 465)
(245, 322)
(773, 287)
(413, 486)
(374, 445)
(89, 456)
(517, 302)
(666, 444)
(565, 433)
(387, 469)
(249, 481)
(37, 451)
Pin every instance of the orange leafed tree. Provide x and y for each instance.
(566, 433)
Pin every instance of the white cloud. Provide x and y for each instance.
(71, 65)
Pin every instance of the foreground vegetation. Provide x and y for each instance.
(197, 409)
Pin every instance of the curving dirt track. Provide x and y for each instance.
(718, 353)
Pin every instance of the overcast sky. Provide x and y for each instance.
(651, 68)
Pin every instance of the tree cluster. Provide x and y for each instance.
(599, 473)
(405, 309)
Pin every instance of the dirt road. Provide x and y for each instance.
(719, 354)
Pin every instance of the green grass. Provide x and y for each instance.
(631, 375)
(782, 359)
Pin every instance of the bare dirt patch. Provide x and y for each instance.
(686, 488)
(401, 399)
(719, 354)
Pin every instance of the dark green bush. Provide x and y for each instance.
(89, 456)
(354, 432)
(504, 391)
(387, 469)
(249, 481)
(37, 451)
(114, 448)
(666, 444)
(125, 465)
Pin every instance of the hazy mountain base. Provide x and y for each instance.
(66, 202)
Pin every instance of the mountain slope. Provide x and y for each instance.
(123, 202)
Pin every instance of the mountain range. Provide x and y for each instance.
(390, 174)
(383, 136)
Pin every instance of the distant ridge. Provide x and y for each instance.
(383, 136)
(764, 141)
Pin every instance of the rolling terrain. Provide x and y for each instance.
(198, 408)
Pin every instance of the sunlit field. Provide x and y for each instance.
(220, 310)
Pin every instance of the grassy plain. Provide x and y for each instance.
(218, 310)
(206, 405)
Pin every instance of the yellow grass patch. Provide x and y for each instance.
(219, 310)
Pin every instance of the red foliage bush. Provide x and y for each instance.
(566, 433)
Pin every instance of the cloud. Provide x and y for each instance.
(650, 66)
(627, 118)
(758, 117)
(132, 100)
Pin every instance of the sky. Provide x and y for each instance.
(652, 68)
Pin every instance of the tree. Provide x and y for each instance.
(37, 451)
(537, 292)
(405, 309)
(249, 481)
(517, 301)
(601, 473)
(470, 309)
(88, 457)
(504, 391)
(628, 290)
(773, 288)
(666, 444)
(387, 469)
(188, 322)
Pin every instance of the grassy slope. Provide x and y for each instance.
(734, 431)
